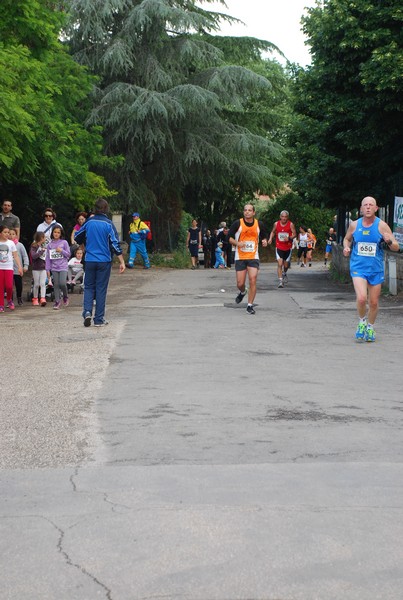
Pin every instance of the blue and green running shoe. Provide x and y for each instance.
(370, 334)
(360, 334)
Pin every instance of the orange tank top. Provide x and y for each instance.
(250, 235)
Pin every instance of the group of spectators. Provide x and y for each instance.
(55, 262)
(217, 250)
(58, 263)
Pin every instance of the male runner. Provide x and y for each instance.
(285, 232)
(245, 234)
(363, 241)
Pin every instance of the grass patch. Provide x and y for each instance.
(177, 260)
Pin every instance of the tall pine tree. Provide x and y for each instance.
(164, 99)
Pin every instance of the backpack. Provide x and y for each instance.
(149, 235)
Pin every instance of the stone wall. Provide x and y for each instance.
(342, 266)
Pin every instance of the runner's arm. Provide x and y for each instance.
(263, 235)
(388, 237)
(272, 233)
(348, 238)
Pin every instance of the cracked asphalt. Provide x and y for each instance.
(191, 451)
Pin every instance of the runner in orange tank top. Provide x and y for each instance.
(245, 235)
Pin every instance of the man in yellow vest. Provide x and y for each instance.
(138, 234)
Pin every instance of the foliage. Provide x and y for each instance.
(46, 151)
(168, 102)
(301, 213)
(349, 103)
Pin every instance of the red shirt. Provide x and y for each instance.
(283, 235)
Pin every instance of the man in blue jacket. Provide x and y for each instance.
(100, 238)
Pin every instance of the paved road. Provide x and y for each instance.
(192, 451)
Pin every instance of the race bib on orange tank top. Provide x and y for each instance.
(250, 237)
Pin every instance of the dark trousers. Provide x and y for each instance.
(96, 282)
(18, 285)
(228, 255)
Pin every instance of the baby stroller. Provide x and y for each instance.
(79, 284)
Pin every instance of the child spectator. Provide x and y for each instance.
(8, 253)
(80, 220)
(75, 268)
(22, 253)
(37, 253)
(219, 257)
(57, 256)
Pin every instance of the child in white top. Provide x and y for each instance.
(76, 269)
(22, 253)
(8, 254)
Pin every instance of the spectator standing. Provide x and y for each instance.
(138, 232)
(100, 238)
(223, 237)
(8, 254)
(37, 253)
(8, 219)
(80, 220)
(193, 242)
(213, 246)
(219, 257)
(207, 243)
(48, 224)
(22, 253)
(57, 256)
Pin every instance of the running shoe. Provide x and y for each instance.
(43, 302)
(280, 284)
(87, 319)
(240, 297)
(250, 310)
(360, 334)
(57, 305)
(1, 308)
(103, 323)
(370, 334)
(35, 302)
(20, 302)
(66, 301)
(11, 305)
(285, 278)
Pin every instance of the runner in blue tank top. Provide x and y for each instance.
(363, 241)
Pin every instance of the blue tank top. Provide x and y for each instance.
(367, 252)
